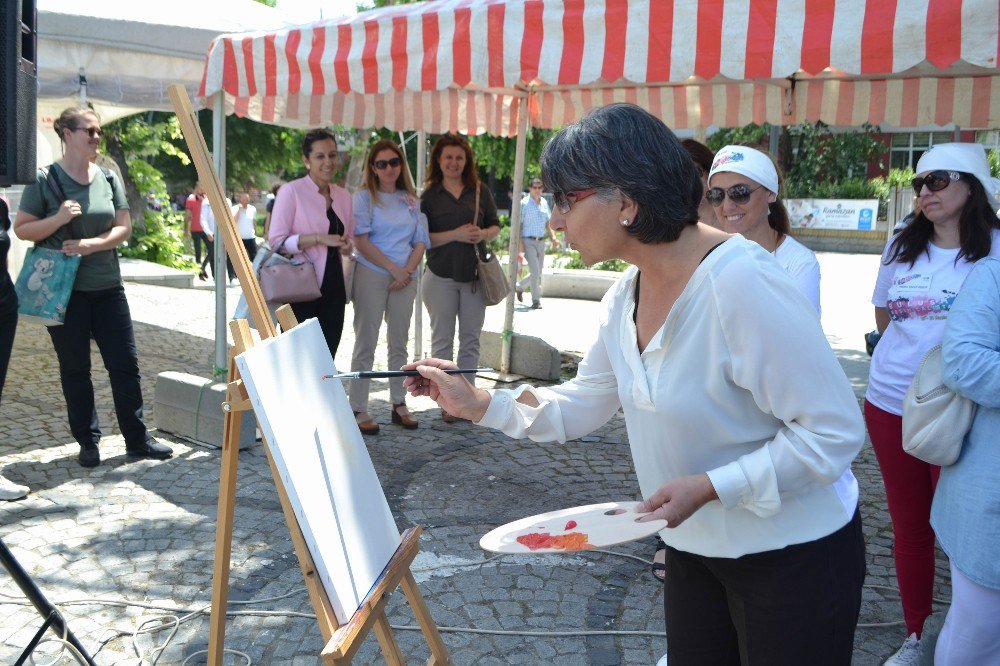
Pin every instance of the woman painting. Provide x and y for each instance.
(922, 271)
(315, 217)
(390, 239)
(701, 345)
(456, 227)
(92, 221)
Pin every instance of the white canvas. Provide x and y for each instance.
(318, 450)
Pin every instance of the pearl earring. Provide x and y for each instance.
(625, 222)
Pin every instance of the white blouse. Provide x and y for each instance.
(739, 382)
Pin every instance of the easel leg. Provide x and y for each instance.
(390, 648)
(439, 652)
(224, 528)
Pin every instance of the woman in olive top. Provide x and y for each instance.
(449, 286)
(91, 222)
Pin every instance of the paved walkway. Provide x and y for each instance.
(144, 531)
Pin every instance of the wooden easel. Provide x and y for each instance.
(341, 642)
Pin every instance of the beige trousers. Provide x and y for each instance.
(373, 301)
(446, 301)
(534, 253)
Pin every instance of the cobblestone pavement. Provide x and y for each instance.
(143, 531)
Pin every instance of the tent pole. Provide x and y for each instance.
(418, 303)
(221, 277)
(507, 335)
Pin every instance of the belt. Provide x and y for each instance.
(535, 237)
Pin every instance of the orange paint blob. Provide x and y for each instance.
(571, 541)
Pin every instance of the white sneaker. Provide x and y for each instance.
(907, 654)
(662, 661)
(10, 490)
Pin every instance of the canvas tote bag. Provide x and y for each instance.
(45, 282)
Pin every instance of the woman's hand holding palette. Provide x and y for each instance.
(579, 528)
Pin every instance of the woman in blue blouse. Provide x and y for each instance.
(966, 510)
(390, 237)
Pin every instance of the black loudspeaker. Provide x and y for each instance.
(18, 91)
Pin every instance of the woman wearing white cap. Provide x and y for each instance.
(922, 270)
(743, 187)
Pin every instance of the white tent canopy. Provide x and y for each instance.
(121, 56)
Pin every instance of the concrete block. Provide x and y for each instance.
(191, 406)
(588, 285)
(529, 356)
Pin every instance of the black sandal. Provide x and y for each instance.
(659, 569)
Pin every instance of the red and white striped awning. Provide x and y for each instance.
(475, 65)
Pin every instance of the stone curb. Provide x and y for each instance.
(191, 407)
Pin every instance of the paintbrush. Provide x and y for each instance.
(385, 374)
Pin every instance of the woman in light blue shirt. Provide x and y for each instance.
(966, 510)
(390, 237)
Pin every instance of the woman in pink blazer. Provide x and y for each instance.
(311, 215)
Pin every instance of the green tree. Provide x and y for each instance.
(133, 142)
(822, 157)
(497, 153)
(816, 162)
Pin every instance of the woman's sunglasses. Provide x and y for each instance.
(92, 132)
(738, 194)
(935, 180)
(391, 162)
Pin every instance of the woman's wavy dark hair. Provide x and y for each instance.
(625, 148)
(976, 223)
(312, 136)
(470, 177)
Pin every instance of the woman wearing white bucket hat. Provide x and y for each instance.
(743, 187)
(922, 270)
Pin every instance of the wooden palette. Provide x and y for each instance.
(568, 530)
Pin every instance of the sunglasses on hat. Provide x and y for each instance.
(391, 162)
(738, 194)
(935, 180)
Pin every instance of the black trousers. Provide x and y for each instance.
(796, 605)
(197, 239)
(250, 244)
(103, 315)
(328, 308)
(8, 326)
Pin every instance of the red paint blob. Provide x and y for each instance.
(570, 525)
(571, 541)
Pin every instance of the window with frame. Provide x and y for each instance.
(990, 139)
(907, 147)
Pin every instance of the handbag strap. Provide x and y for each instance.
(272, 248)
(482, 252)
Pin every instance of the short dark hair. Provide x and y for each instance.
(625, 148)
(312, 136)
(976, 223)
